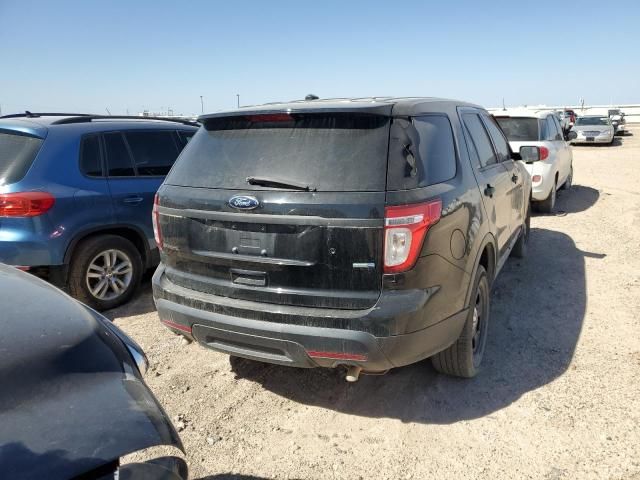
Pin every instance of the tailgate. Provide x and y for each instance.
(315, 249)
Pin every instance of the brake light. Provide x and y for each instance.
(25, 204)
(405, 227)
(157, 232)
(269, 117)
(544, 153)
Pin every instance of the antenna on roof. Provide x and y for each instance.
(311, 96)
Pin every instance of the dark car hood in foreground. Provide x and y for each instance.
(71, 397)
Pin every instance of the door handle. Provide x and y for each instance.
(132, 200)
(489, 190)
(514, 178)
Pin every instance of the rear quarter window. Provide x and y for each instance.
(17, 153)
(153, 151)
(424, 154)
(90, 156)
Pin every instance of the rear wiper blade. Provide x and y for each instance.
(274, 182)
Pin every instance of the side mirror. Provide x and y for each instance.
(530, 154)
(572, 135)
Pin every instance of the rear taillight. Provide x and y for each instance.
(157, 232)
(25, 204)
(405, 227)
(544, 153)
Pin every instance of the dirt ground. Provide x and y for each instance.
(558, 396)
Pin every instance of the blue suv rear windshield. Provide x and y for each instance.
(17, 152)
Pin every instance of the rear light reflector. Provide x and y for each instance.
(405, 227)
(536, 178)
(544, 153)
(23, 268)
(337, 355)
(177, 326)
(157, 232)
(25, 204)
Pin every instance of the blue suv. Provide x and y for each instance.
(76, 196)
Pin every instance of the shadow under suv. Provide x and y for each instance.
(322, 233)
(76, 194)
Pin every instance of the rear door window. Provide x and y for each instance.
(91, 156)
(118, 158)
(342, 151)
(554, 132)
(426, 157)
(480, 139)
(153, 151)
(17, 153)
(499, 140)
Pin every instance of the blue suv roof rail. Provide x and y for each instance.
(29, 114)
(89, 118)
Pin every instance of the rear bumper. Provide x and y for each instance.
(606, 138)
(302, 342)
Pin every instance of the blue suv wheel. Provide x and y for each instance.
(105, 271)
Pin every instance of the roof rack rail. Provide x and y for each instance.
(89, 118)
(28, 114)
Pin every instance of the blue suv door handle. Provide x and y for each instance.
(133, 200)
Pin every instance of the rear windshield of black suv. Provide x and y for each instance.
(17, 153)
(325, 151)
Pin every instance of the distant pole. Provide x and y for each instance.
(238, 97)
(107, 110)
(201, 104)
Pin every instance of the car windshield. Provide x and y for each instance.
(520, 129)
(592, 121)
(342, 151)
(17, 153)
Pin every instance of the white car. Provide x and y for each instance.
(540, 129)
(592, 129)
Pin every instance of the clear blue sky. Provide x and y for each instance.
(90, 55)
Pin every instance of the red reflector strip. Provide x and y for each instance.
(24, 269)
(177, 326)
(336, 355)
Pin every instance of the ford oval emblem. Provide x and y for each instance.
(243, 202)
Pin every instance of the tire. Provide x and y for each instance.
(464, 357)
(548, 204)
(520, 248)
(93, 264)
(569, 181)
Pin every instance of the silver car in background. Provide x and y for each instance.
(592, 129)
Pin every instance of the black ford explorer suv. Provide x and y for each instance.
(364, 233)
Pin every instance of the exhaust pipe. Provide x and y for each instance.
(353, 373)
